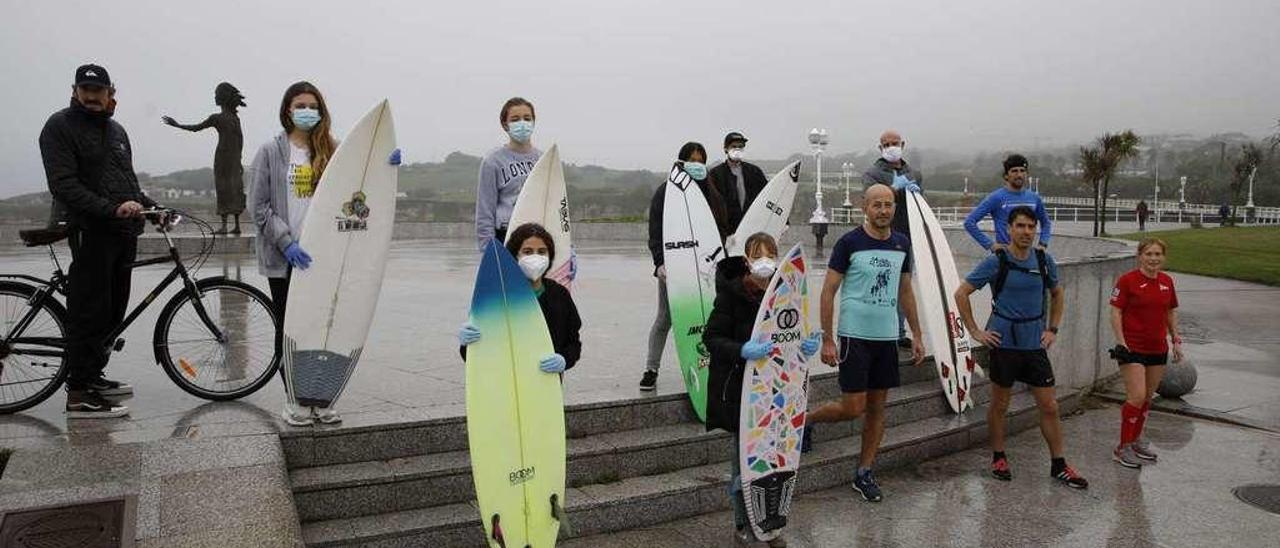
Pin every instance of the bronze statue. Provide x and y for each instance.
(228, 172)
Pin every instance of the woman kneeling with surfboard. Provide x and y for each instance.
(534, 250)
(741, 283)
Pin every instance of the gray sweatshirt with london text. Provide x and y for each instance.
(502, 175)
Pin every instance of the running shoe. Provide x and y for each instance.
(296, 415)
(744, 537)
(1000, 469)
(806, 442)
(649, 382)
(1142, 448)
(1072, 479)
(865, 484)
(1125, 455)
(327, 415)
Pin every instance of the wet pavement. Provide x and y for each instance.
(1230, 336)
(410, 368)
(1183, 501)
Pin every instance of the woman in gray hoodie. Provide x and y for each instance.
(284, 174)
(504, 170)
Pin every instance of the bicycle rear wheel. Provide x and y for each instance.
(201, 364)
(32, 347)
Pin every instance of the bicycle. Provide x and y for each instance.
(215, 338)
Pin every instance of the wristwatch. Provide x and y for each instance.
(1053, 330)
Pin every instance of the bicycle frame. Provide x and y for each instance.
(47, 287)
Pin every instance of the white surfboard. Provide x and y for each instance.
(544, 200)
(347, 232)
(934, 280)
(775, 396)
(769, 211)
(691, 248)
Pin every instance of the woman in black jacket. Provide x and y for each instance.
(740, 286)
(534, 249)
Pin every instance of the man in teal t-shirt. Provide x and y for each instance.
(871, 270)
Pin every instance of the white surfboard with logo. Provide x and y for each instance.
(544, 200)
(347, 232)
(769, 212)
(934, 281)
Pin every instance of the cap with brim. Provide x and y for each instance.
(92, 75)
(734, 137)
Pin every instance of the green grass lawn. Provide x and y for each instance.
(1241, 253)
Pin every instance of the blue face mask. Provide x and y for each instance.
(305, 118)
(696, 170)
(520, 131)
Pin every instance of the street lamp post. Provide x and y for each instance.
(1182, 197)
(1251, 175)
(847, 168)
(818, 141)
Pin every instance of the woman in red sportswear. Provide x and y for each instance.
(1144, 318)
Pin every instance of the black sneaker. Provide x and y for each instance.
(84, 404)
(108, 387)
(806, 442)
(1071, 478)
(1000, 469)
(649, 382)
(865, 485)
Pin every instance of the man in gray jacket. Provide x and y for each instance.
(892, 171)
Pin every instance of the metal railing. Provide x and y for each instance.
(955, 216)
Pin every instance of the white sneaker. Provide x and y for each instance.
(297, 415)
(327, 415)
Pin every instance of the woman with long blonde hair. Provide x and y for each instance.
(1144, 318)
(284, 175)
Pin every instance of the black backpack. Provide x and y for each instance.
(1002, 275)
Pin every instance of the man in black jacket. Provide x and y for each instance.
(89, 166)
(739, 182)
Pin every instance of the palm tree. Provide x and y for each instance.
(1093, 171)
(1116, 148)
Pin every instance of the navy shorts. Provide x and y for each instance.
(868, 365)
(1030, 367)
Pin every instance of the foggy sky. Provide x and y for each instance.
(625, 83)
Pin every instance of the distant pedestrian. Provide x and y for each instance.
(1143, 211)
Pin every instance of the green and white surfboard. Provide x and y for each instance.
(691, 247)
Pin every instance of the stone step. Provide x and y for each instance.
(651, 499)
(336, 445)
(405, 483)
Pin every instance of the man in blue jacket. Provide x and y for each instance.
(999, 203)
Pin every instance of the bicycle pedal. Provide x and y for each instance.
(119, 345)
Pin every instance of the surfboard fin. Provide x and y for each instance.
(557, 512)
(497, 531)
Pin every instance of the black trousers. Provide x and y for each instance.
(97, 298)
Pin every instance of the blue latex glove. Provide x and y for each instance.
(469, 334)
(753, 350)
(811, 345)
(297, 257)
(901, 182)
(552, 364)
(395, 157)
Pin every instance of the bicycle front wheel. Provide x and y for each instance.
(32, 347)
(222, 346)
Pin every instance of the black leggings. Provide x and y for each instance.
(279, 298)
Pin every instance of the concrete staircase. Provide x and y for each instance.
(632, 463)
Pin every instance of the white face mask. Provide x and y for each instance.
(534, 266)
(763, 268)
(891, 154)
(735, 154)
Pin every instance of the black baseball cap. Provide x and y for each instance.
(734, 137)
(92, 75)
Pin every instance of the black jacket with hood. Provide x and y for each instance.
(88, 164)
(732, 320)
(753, 181)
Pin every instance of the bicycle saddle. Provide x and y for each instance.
(43, 236)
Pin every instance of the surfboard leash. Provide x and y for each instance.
(497, 535)
(557, 512)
